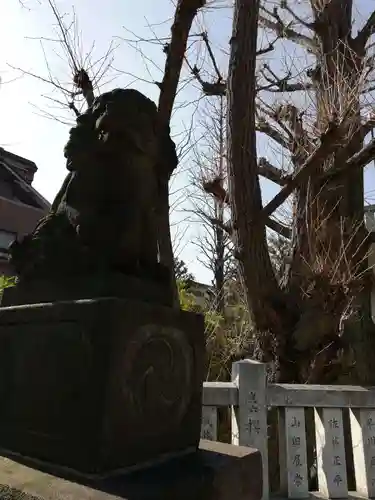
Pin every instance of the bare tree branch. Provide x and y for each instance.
(330, 142)
(217, 88)
(284, 5)
(211, 54)
(365, 33)
(83, 82)
(270, 47)
(225, 226)
(81, 78)
(277, 84)
(284, 31)
(270, 172)
(266, 128)
(265, 110)
(279, 228)
(216, 189)
(286, 87)
(358, 160)
(186, 11)
(273, 224)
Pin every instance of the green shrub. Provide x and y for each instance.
(6, 282)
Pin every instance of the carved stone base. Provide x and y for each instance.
(97, 385)
(217, 471)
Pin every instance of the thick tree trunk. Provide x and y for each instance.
(340, 70)
(244, 188)
(267, 304)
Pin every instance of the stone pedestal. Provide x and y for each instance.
(216, 471)
(99, 385)
(108, 284)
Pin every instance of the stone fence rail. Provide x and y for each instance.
(250, 398)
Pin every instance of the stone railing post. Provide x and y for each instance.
(249, 419)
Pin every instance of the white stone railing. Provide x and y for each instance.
(250, 397)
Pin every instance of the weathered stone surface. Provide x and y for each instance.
(100, 384)
(216, 471)
(104, 217)
(88, 287)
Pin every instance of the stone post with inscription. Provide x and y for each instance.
(330, 452)
(292, 452)
(249, 419)
(362, 423)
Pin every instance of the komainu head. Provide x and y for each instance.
(119, 122)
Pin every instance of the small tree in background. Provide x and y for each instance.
(181, 271)
(208, 212)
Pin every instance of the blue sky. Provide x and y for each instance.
(25, 132)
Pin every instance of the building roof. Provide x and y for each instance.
(20, 172)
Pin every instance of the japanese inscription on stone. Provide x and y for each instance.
(362, 424)
(253, 423)
(331, 452)
(337, 461)
(370, 446)
(209, 423)
(296, 452)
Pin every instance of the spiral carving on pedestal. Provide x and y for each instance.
(158, 376)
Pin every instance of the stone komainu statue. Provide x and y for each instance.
(104, 216)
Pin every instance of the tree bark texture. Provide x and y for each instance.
(329, 230)
(269, 310)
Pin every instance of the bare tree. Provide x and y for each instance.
(84, 74)
(300, 319)
(208, 173)
(313, 321)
